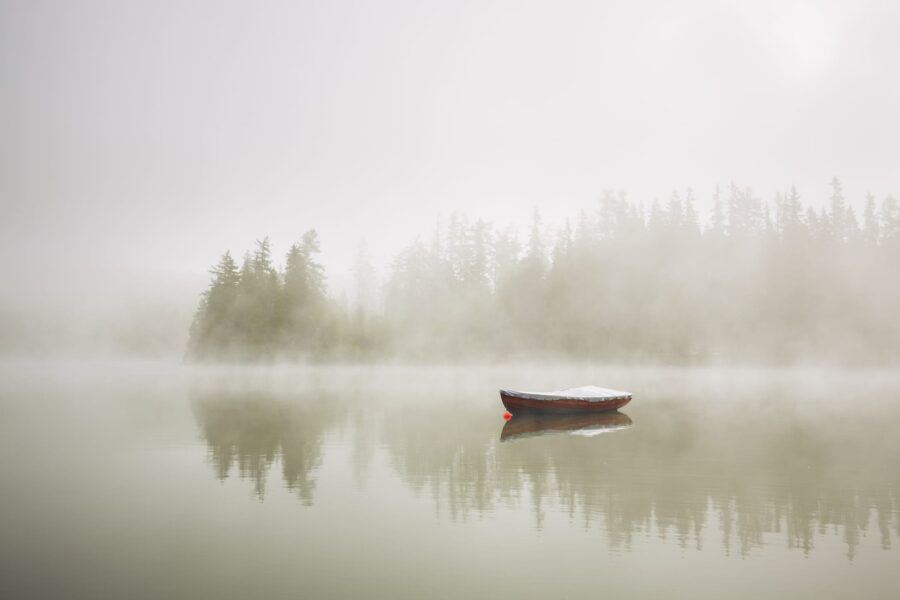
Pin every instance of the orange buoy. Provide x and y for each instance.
(507, 416)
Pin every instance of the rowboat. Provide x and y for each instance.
(587, 424)
(588, 398)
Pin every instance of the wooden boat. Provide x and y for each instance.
(581, 399)
(586, 424)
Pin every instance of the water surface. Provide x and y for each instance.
(149, 480)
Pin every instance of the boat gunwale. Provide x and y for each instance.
(551, 397)
(519, 404)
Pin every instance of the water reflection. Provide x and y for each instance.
(735, 478)
(585, 425)
(252, 430)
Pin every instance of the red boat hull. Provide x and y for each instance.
(516, 404)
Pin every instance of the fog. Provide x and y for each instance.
(141, 141)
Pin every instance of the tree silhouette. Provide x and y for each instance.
(214, 322)
(304, 305)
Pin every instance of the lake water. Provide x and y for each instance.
(156, 480)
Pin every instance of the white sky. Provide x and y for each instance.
(148, 137)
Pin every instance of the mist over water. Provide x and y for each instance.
(154, 479)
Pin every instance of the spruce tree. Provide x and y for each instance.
(213, 330)
(257, 303)
(837, 217)
(890, 220)
(717, 221)
(303, 308)
(871, 228)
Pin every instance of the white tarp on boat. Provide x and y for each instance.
(590, 393)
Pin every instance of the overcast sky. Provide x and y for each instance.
(149, 137)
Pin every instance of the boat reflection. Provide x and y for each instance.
(586, 425)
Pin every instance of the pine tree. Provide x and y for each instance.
(584, 233)
(871, 229)
(890, 220)
(213, 329)
(475, 267)
(455, 242)
(362, 324)
(736, 212)
(535, 259)
(814, 223)
(769, 229)
(562, 251)
(851, 225)
(674, 214)
(304, 295)
(837, 217)
(790, 216)
(754, 209)
(365, 286)
(717, 221)
(609, 215)
(691, 219)
(258, 291)
(506, 251)
(656, 223)
(310, 248)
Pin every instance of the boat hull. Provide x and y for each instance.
(517, 404)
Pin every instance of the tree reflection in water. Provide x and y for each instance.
(677, 473)
(753, 474)
(253, 430)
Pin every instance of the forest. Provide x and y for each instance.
(752, 281)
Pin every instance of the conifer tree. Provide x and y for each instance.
(790, 217)
(657, 220)
(213, 329)
(365, 286)
(675, 213)
(304, 295)
(837, 217)
(506, 258)
(258, 291)
(871, 228)
(691, 219)
(890, 220)
(717, 221)
(852, 232)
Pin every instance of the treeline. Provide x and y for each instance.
(759, 281)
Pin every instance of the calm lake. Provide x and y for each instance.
(157, 480)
